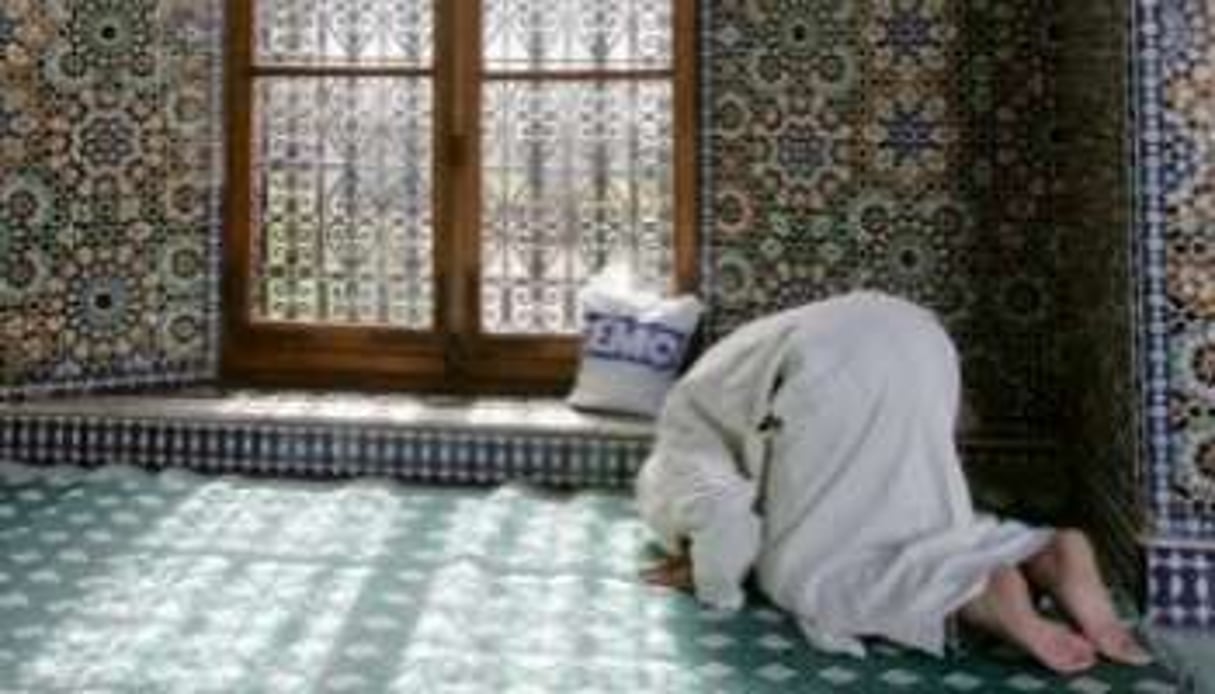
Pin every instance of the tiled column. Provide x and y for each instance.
(1175, 93)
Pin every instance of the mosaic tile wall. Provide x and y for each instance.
(1093, 206)
(1175, 57)
(891, 143)
(896, 144)
(108, 191)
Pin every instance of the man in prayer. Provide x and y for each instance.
(816, 447)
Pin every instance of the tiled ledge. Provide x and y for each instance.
(418, 438)
(368, 410)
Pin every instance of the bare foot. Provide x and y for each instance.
(1067, 569)
(1004, 609)
(1117, 643)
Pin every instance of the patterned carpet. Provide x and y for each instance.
(122, 581)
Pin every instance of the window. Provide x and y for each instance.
(419, 187)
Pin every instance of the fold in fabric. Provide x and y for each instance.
(837, 419)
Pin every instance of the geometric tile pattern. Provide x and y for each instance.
(897, 145)
(1101, 416)
(1180, 583)
(118, 580)
(1175, 53)
(478, 442)
(109, 185)
(416, 438)
(887, 144)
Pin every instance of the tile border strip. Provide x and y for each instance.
(412, 452)
(418, 454)
(1149, 159)
(1180, 581)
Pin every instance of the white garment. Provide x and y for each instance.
(838, 419)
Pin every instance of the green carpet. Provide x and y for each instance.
(123, 581)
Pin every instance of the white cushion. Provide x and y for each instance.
(633, 344)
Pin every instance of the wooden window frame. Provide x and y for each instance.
(453, 357)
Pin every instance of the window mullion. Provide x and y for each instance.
(462, 159)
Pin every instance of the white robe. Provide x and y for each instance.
(815, 446)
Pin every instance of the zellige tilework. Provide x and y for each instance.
(243, 585)
(896, 144)
(1175, 52)
(109, 152)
